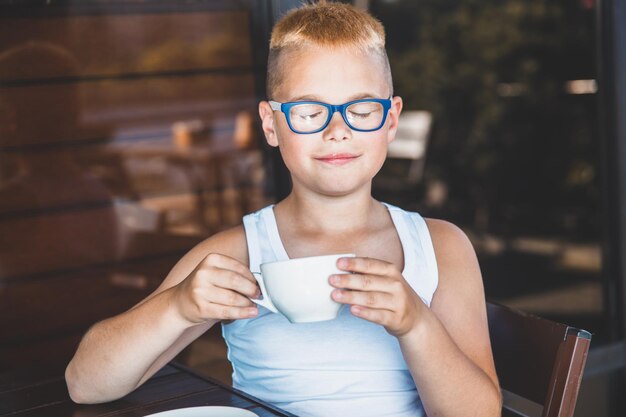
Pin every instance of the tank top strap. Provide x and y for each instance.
(421, 270)
(427, 243)
(252, 240)
(426, 286)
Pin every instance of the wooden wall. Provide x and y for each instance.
(126, 138)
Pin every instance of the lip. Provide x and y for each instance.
(337, 158)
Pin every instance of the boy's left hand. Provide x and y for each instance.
(377, 292)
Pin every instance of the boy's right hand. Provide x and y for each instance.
(219, 288)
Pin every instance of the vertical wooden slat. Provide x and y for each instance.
(566, 377)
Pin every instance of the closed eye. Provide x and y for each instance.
(310, 116)
(360, 115)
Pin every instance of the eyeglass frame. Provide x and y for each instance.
(332, 109)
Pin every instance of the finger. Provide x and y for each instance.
(231, 280)
(370, 299)
(365, 266)
(233, 313)
(229, 298)
(363, 282)
(218, 260)
(382, 317)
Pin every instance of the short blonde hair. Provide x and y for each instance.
(326, 25)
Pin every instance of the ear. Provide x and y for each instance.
(267, 123)
(393, 116)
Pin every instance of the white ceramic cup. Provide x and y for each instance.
(298, 288)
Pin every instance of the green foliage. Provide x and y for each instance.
(493, 74)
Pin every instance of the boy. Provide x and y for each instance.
(414, 336)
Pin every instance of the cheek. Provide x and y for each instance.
(381, 157)
(378, 153)
(291, 149)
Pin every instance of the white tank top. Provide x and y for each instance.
(342, 367)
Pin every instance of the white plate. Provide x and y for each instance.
(208, 411)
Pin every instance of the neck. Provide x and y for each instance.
(329, 214)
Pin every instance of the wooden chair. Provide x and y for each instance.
(539, 362)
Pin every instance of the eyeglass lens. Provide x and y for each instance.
(364, 115)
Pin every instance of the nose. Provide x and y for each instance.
(337, 128)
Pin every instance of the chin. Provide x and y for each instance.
(335, 193)
(340, 190)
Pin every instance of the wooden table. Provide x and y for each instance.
(175, 386)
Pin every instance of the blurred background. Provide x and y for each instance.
(129, 133)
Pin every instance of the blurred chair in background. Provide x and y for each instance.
(406, 156)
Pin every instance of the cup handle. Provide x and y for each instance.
(266, 301)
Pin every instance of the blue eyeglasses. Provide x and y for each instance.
(305, 117)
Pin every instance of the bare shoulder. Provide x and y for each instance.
(448, 238)
(460, 279)
(230, 242)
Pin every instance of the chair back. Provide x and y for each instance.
(538, 359)
(411, 141)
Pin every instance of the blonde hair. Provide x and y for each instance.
(327, 25)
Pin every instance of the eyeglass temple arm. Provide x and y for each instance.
(275, 105)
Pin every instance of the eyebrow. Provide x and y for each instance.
(313, 97)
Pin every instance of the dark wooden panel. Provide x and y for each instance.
(53, 352)
(39, 308)
(51, 180)
(41, 321)
(75, 239)
(112, 110)
(73, 178)
(113, 45)
(58, 241)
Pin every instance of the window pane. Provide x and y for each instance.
(512, 152)
(127, 136)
